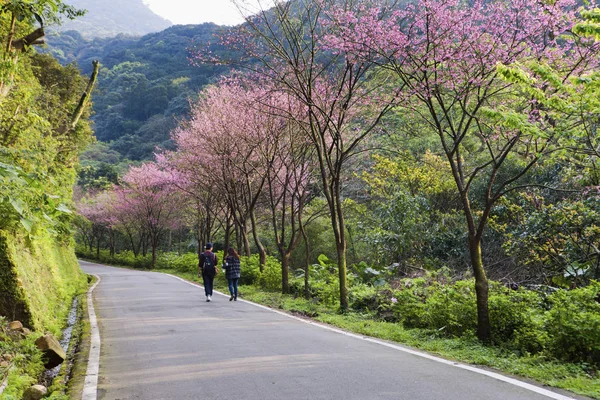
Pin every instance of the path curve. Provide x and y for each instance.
(161, 340)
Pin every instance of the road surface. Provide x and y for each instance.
(162, 340)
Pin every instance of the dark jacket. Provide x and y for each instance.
(203, 257)
(232, 267)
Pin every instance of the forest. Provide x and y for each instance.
(423, 171)
(427, 164)
(144, 84)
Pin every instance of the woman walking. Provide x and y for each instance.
(232, 272)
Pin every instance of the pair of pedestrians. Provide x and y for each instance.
(208, 269)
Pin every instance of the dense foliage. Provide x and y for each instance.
(428, 178)
(145, 84)
(43, 128)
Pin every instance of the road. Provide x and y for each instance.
(161, 340)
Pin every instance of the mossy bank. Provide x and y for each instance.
(39, 276)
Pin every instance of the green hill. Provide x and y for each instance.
(145, 83)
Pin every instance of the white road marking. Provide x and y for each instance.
(494, 375)
(90, 387)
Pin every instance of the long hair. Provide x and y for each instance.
(231, 252)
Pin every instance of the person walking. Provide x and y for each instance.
(208, 269)
(232, 272)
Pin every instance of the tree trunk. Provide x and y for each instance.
(341, 254)
(227, 233)
(306, 261)
(261, 249)
(339, 231)
(238, 238)
(245, 240)
(145, 244)
(112, 243)
(285, 271)
(137, 249)
(199, 252)
(154, 245)
(481, 289)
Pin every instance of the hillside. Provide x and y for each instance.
(108, 18)
(144, 84)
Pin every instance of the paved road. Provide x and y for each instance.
(161, 340)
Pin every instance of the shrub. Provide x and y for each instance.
(532, 337)
(408, 301)
(513, 317)
(573, 324)
(363, 297)
(270, 278)
(187, 262)
(450, 308)
(127, 258)
(250, 270)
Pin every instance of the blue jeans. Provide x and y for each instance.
(233, 286)
(208, 284)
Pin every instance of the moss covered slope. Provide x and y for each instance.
(38, 279)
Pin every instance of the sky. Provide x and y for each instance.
(221, 12)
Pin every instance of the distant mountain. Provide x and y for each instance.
(107, 18)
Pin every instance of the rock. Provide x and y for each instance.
(4, 364)
(25, 331)
(53, 352)
(36, 392)
(7, 357)
(15, 326)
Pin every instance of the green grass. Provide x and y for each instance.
(571, 377)
(26, 366)
(577, 378)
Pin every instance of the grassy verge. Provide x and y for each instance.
(25, 364)
(576, 378)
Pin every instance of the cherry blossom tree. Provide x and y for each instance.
(97, 210)
(217, 154)
(448, 57)
(288, 156)
(148, 196)
(283, 46)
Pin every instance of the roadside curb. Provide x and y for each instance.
(90, 386)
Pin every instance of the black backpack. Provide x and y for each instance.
(209, 264)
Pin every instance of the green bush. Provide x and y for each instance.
(407, 302)
(451, 308)
(250, 267)
(513, 318)
(532, 337)
(127, 258)
(270, 278)
(326, 292)
(573, 324)
(364, 297)
(187, 262)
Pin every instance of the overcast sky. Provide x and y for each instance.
(221, 12)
